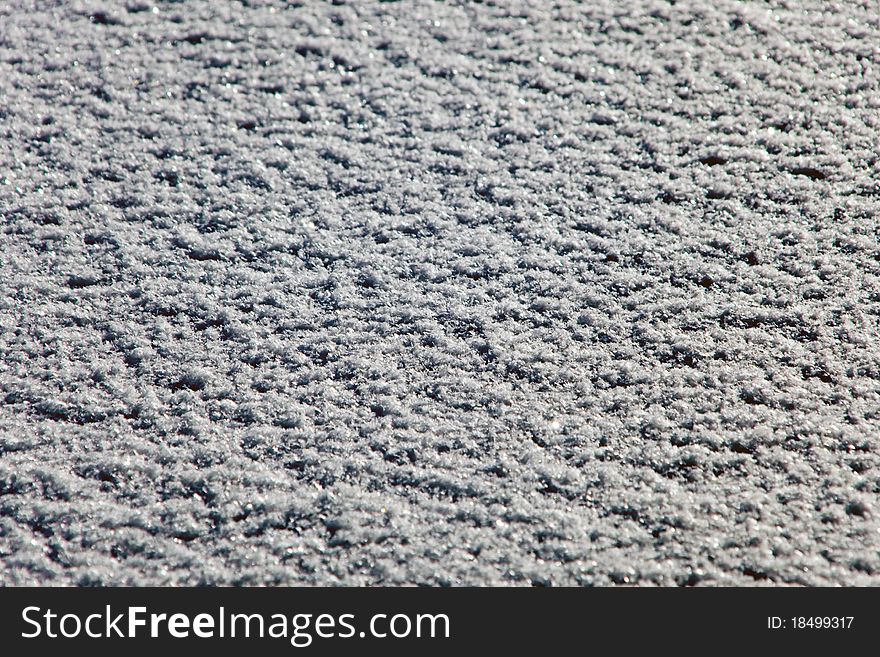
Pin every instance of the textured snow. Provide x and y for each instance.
(529, 293)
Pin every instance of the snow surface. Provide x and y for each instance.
(528, 293)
